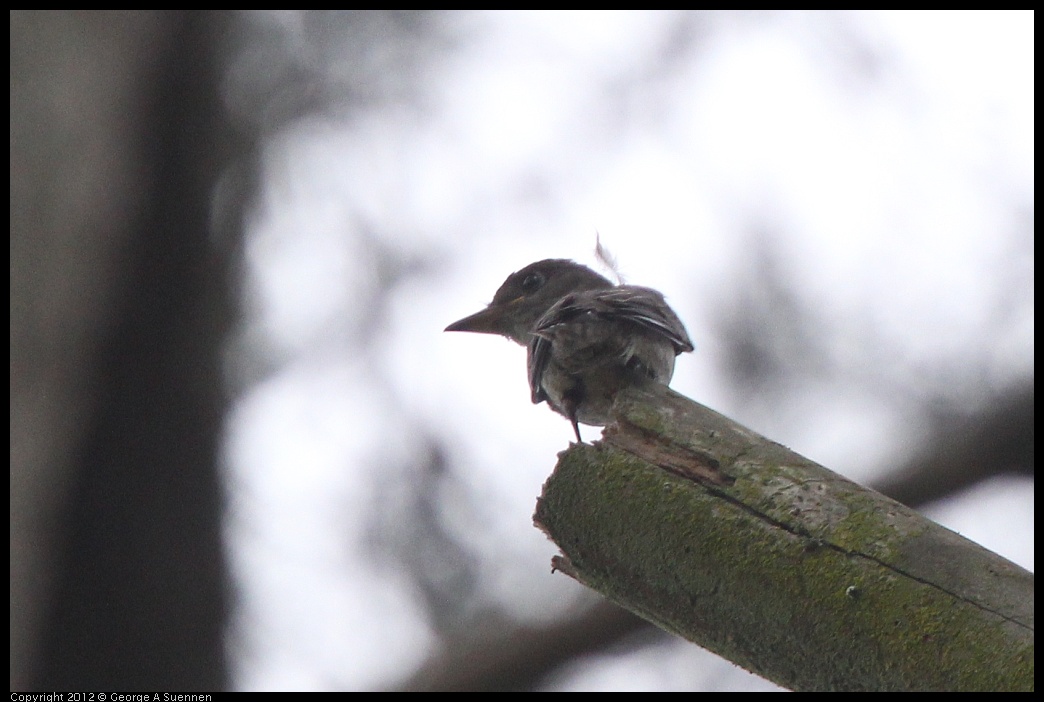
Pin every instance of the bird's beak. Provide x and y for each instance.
(486, 321)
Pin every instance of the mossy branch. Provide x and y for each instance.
(736, 543)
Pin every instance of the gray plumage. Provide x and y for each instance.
(586, 339)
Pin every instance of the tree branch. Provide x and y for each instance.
(736, 543)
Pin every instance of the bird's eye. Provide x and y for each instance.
(532, 282)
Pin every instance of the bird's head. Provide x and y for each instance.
(527, 294)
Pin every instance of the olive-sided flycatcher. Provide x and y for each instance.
(587, 339)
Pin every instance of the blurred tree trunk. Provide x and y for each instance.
(119, 303)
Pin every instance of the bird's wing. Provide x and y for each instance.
(641, 306)
(538, 356)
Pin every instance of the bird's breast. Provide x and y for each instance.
(590, 361)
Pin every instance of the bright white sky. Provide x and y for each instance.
(889, 181)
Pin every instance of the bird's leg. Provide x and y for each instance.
(572, 407)
(571, 401)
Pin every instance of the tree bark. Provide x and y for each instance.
(719, 535)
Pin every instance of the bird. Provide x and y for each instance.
(586, 338)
